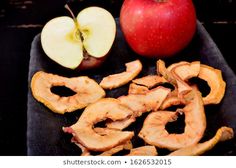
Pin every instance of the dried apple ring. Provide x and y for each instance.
(173, 78)
(155, 133)
(137, 89)
(83, 130)
(214, 79)
(187, 70)
(150, 81)
(223, 134)
(116, 80)
(151, 101)
(87, 91)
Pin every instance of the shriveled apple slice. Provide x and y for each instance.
(143, 151)
(214, 79)
(116, 80)
(120, 125)
(150, 81)
(223, 134)
(173, 78)
(155, 133)
(87, 91)
(137, 89)
(151, 101)
(103, 109)
(187, 70)
(104, 131)
(171, 101)
(127, 146)
(140, 104)
(170, 67)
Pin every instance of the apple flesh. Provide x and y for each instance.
(82, 42)
(158, 28)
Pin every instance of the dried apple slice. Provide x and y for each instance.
(187, 70)
(140, 104)
(137, 89)
(143, 151)
(150, 81)
(122, 124)
(107, 108)
(116, 80)
(170, 67)
(87, 91)
(173, 78)
(223, 134)
(214, 79)
(127, 146)
(151, 101)
(155, 133)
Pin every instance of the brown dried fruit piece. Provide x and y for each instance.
(223, 134)
(137, 89)
(155, 133)
(214, 79)
(116, 80)
(107, 108)
(186, 70)
(150, 81)
(87, 91)
(173, 78)
(139, 104)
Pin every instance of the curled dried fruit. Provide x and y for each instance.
(152, 100)
(155, 133)
(149, 81)
(214, 79)
(187, 70)
(87, 91)
(84, 133)
(137, 89)
(173, 78)
(223, 134)
(116, 80)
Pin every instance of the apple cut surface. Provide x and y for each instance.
(98, 29)
(59, 44)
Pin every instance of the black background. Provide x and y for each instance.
(21, 20)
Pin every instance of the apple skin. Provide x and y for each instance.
(158, 29)
(90, 62)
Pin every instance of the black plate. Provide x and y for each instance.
(44, 134)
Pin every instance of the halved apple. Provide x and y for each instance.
(81, 42)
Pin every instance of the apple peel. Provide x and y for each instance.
(223, 134)
(116, 80)
(87, 91)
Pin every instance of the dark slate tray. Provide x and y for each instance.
(44, 133)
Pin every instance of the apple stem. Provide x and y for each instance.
(75, 20)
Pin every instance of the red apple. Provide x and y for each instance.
(158, 28)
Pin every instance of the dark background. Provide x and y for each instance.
(21, 20)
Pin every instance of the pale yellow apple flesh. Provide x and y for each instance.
(59, 42)
(62, 42)
(98, 29)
